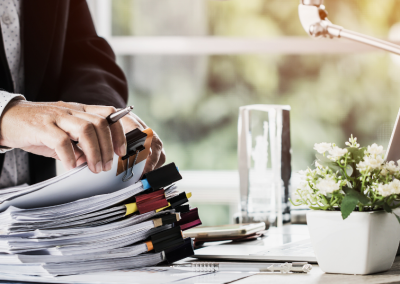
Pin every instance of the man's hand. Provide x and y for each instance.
(47, 129)
(131, 121)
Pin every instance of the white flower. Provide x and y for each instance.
(384, 189)
(305, 187)
(327, 185)
(336, 153)
(390, 188)
(362, 166)
(375, 150)
(322, 147)
(318, 165)
(352, 142)
(395, 185)
(391, 167)
(370, 163)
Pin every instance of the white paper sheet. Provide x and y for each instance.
(75, 184)
(149, 275)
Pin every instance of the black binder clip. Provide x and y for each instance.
(162, 177)
(135, 144)
(182, 208)
(178, 200)
(180, 252)
(167, 239)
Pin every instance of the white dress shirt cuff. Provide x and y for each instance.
(5, 98)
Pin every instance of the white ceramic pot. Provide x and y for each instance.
(364, 243)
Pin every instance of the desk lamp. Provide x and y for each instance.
(314, 19)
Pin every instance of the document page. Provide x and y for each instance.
(148, 275)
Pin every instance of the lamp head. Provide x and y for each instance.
(313, 17)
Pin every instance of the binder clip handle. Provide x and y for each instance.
(131, 152)
(129, 173)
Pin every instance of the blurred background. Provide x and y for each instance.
(190, 64)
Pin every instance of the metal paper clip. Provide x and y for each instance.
(126, 177)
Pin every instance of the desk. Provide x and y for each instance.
(277, 236)
(317, 276)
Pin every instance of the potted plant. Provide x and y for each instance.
(354, 194)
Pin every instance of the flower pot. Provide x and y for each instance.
(364, 243)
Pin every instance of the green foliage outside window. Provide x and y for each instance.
(192, 101)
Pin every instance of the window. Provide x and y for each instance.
(191, 64)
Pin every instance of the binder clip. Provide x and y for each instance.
(166, 220)
(189, 220)
(151, 201)
(135, 144)
(178, 200)
(167, 239)
(182, 208)
(161, 177)
(180, 252)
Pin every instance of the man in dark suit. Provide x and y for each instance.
(72, 73)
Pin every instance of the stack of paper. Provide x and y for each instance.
(12, 192)
(136, 226)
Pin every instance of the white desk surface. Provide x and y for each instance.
(316, 276)
(297, 232)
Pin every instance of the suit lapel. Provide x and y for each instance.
(39, 24)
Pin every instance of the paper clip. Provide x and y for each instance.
(126, 177)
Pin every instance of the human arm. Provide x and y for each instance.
(91, 76)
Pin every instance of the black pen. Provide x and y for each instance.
(114, 117)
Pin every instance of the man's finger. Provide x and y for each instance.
(162, 159)
(130, 123)
(117, 130)
(141, 122)
(83, 131)
(156, 147)
(103, 132)
(55, 138)
(79, 155)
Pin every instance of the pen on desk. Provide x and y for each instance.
(299, 267)
(114, 117)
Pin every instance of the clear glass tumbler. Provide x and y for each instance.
(264, 154)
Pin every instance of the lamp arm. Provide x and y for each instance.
(315, 22)
(385, 45)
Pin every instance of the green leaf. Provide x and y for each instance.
(348, 205)
(350, 201)
(360, 197)
(357, 153)
(349, 170)
(398, 218)
(325, 162)
(387, 208)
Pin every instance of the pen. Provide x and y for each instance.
(302, 267)
(114, 117)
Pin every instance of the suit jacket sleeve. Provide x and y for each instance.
(89, 74)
